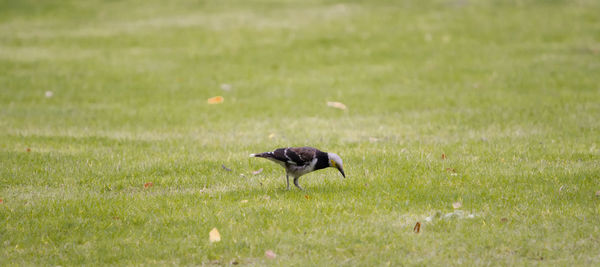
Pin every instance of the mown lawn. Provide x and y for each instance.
(100, 98)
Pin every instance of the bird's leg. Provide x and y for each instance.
(287, 179)
(296, 183)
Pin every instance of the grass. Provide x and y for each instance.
(508, 91)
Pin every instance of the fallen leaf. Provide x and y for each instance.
(258, 171)
(504, 219)
(226, 87)
(48, 94)
(443, 156)
(456, 205)
(244, 201)
(234, 262)
(270, 254)
(28, 149)
(307, 196)
(148, 184)
(214, 235)
(216, 100)
(417, 228)
(225, 168)
(336, 105)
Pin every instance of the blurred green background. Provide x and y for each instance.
(98, 98)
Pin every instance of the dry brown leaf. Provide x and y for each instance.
(215, 100)
(307, 196)
(258, 171)
(443, 156)
(214, 235)
(504, 219)
(456, 205)
(148, 184)
(28, 149)
(417, 228)
(270, 254)
(336, 105)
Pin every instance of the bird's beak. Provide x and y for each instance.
(342, 172)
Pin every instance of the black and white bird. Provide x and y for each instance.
(299, 161)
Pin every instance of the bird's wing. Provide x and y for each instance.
(278, 154)
(300, 155)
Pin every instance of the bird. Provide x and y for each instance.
(299, 161)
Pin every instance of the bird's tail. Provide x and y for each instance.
(262, 155)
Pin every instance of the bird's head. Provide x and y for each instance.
(336, 162)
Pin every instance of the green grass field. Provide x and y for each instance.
(508, 91)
